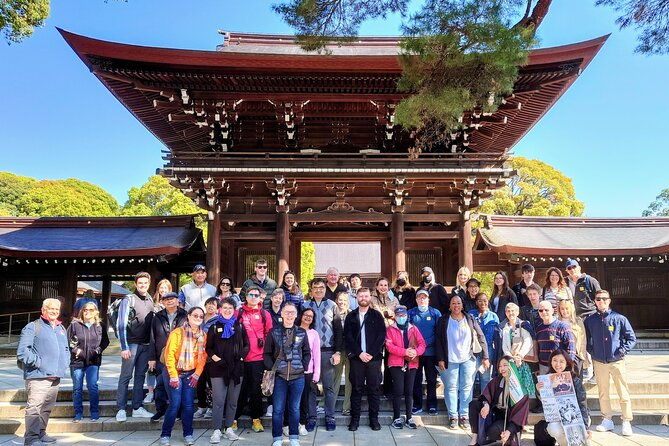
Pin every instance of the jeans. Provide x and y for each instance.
(287, 395)
(42, 394)
(426, 363)
(160, 391)
(458, 379)
(91, 373)
(139, 363)
(180, 398)
(327, 378)
(485, 377)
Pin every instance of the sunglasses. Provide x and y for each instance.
(88, 310)
(253, 295)
(261, 266)
(225, 284)
(599, 299)
(544, 310)
(570, 268)
(197, 316)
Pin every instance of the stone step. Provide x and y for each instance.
(108, 424)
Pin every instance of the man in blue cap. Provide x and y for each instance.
(195, 293)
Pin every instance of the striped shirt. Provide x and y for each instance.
(554, 336)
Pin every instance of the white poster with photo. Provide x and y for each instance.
(561, 406)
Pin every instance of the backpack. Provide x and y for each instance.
(112, 312)
(38, 327)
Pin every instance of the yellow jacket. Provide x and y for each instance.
(173, 350)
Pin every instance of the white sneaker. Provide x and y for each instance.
(627, 429)
(268, 412)
(200, 412)
(230, 434)
(215, 437)
(209, 413)
(605, 425)
(121, 416)
(276, 443)
(286, 431)
(148, 398)
(141, 413)
(164, 441)
(303, 430)
(320, 410)
(294, 442)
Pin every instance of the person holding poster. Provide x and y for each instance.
(547, 433)
(500, 413)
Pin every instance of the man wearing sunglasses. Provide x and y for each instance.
(552, 334)
(610, 338)
(259, 279)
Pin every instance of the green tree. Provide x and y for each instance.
(19, 18)
(67, 198)
(536, 189)
(307, 265)
(659, 207)
(13, 187)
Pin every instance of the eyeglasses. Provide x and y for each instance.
(253, 296)
(307, 316)
(569, 268)
(225, 284)
(197, 316)
(543, 310)
(319, 288)
(261, 266)
(88, 310)
(599, 299)
(290, 312)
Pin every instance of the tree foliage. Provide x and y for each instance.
(66, 198)
(307, 265)
(19, 18)
(13, 187)
(537, 189)
(659, 207)
(649, 17)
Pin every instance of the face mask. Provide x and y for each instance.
(401, 320)
(426, 279)
(422, 309)
(401, 282)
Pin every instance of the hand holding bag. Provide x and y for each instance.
(267, 384)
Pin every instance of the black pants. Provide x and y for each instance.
(495, 430)
(387, 377)
(426, 363)
(250, 393)
(202, 385)
(365, 378)
(402, 387)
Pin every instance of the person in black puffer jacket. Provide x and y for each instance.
(287, 346)
(88, 338)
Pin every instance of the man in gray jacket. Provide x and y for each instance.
(44, 356)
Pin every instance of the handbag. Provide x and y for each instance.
(268, 376)
(476, 345)
(533, 354)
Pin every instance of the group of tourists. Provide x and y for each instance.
(208, 346)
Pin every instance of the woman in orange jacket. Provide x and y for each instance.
(184, 359)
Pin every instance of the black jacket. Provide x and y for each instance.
(160, 331)
(86, 343)
(375, 333)
(294, 361)
(439, 298)
(441, 338)
(240, 345)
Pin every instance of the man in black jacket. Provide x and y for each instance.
(364, 337)
(164, 321)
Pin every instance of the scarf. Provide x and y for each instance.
(228, 326)
(189, 342)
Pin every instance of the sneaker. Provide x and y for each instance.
(230, 434)
(95, 420)
(453, 423)
(121, 416)
(411, 423)
(432, 411)
(148, 398)
(320, 410)
(627, 429)
(189, 440)
(215, 437)
(200, 413)
(311, 425)
(398, 423)
(234, 426)
(346, 412)
(77, 419)
(294, 442)
(276, 443)
(605, 425)
(268, 412)
(141, 413)
(303, 430)
(47, 439)
(286, 431)
(209, 413)
(330, 425)
(257, 425)
(464, 423)
(157, 417)
(164, 441)
(416, 410)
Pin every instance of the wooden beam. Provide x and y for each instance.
(397, 242)
(431, 235)
(465, 256)
(282, 244)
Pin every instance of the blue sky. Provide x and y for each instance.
(607, 132)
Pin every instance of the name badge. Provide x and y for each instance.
(610, 327)
(257, 316)
(280, 319)
(219, 330)
(298, 339)
(552, 338)
(581, 288)
(428, 318)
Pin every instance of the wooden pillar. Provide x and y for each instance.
(282, 244)
(465, 255)
(398, 243)
(105, 299)
(296, 259)
(69, 287)
(214, 248)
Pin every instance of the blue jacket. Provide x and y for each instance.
(427, 325)
(292, 363)
(45, 354)
(610, 336)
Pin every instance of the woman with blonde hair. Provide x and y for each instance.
(555, 287)
(162, 288)
(567, 313)
(88, 338)
(460, 288)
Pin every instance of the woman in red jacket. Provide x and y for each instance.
(404, 344)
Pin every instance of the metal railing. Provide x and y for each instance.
(9, 321)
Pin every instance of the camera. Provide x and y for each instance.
(261, 342)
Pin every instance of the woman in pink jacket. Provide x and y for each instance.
(404, 344)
